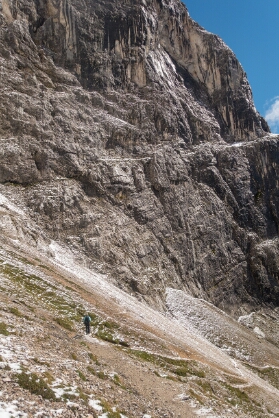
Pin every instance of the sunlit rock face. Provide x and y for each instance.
(129, 135)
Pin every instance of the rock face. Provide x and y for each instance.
(129, 134)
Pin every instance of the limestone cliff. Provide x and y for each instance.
(129, 134)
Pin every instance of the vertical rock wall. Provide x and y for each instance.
(129, 135)
(128, 46)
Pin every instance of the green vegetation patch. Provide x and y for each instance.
(31, 308)
(82, 395)
(91, 370)
(105, 330)
(48, 377)
(196, 396)
(205, 386)
(240, 399)
(41, 291)
(16, 312)
(270, 374)
(236, 396)
(35, 385)
(117, 381)
(101, 375)
(67, 392)
(41, 362)
(20, 258)
(107, 334)
(239, 394)
(114, 414)
(65, 323)
(3, 289)
(110, 411)
(258, 196)
(94, 358)
(3, 329)
(81, 375)
(110, 325)
(29, 281)
(181, 368)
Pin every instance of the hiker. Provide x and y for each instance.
(86, 320)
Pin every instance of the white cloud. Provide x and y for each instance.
(272, 114)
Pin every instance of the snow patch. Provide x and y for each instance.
(53, 411)
(259, 332)
(206, 412)
(95, 404)
(246, 319)
(182, 397)
(60, 389)
(12, 354)
(8, 410)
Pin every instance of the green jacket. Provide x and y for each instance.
(86, 319)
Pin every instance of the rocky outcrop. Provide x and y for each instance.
(129, 134)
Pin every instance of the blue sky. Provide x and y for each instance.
(251, 29)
